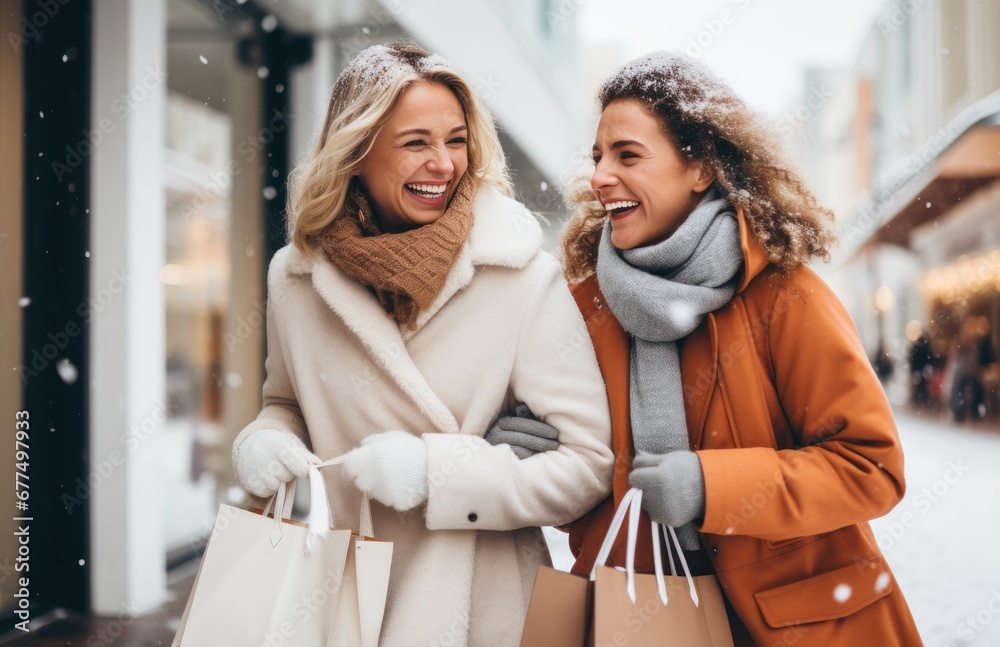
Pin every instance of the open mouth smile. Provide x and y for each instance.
(432, 194)
(621, 209)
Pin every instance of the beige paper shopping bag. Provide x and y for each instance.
(654, 610)
(357, 619)
(266, 581)
(559, 610)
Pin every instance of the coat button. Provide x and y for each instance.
(473, 517)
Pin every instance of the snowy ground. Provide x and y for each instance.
(941, 540)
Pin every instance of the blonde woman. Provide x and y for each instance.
(412, 307)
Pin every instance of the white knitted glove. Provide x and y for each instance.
(270, 456)
(391, 468)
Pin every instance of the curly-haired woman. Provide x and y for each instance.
(736, 377)
(411, 308)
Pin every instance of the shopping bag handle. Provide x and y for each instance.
(366, 527)
(281, 501)
(320, 518)
(631, 504)
(613, 530)
(658, 562)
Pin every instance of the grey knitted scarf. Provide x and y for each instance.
(660, 294)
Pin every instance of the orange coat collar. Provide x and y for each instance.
(754, 256)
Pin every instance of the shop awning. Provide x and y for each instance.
(963, 157)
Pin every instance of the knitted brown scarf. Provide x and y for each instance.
(405, 271)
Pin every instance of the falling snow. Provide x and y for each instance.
(842, 593)
(269, 23)
(67, 371)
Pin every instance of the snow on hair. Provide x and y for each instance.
(706, 120)
(362, 101)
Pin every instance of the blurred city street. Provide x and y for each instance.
(941, 539)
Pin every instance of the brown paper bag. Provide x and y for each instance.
(559, 610)
(654, 610)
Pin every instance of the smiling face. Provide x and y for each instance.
(646, 187)
(417, 159)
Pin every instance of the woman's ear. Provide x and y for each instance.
(704, 176)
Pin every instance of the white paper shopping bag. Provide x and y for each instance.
(267, 580)
(357, 620)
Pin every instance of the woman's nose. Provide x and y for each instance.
(601, 179)
(440, 161)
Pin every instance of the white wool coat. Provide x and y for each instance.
(504, 330)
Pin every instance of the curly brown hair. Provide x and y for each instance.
(707, 121)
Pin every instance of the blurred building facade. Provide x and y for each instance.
(146, 150)
(905, 148)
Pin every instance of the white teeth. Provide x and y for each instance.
(428, 188)
(624, 204)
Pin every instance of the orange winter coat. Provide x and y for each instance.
(799, 450)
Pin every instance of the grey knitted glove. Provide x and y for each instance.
(525, 434)
(673, 486)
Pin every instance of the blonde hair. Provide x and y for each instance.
(707, 121)
(363, 99)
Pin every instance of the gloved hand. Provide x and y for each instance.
(269, 457)
(673, 486)
(391, 468)
(525, 434)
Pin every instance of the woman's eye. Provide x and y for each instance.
(628, 155)
(597, 159)
(416, 143)
(458, 141)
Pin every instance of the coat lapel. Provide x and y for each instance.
(505, 233)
